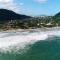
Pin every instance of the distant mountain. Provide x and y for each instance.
(6, 15)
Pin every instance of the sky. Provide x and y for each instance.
(32, 7)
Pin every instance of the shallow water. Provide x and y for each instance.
(36, 45)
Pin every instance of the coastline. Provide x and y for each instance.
(30, 30)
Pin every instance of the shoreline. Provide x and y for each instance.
(30, 30)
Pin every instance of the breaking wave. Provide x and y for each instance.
(16, 41)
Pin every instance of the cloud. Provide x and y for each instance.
(6, 1)
(41, 1)
(10, 5)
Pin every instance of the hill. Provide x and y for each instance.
(12, 20)
(56, 17)
(6, 15)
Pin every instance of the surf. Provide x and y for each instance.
(21, 40)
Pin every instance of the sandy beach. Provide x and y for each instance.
(31, 30)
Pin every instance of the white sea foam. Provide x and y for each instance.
(20, 40)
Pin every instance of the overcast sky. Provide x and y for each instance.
(32, 7)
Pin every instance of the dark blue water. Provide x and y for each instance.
(48, 49)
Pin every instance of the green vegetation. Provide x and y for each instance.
(30, 22)
(35, 22)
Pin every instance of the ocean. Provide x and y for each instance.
(38, 44)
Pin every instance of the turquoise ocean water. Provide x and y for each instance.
(43, 49)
